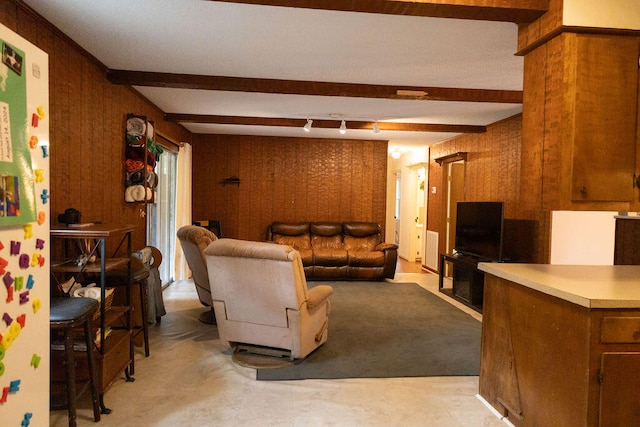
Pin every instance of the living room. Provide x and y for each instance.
(513, 161)
(84, 102)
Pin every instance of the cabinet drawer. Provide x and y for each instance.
(621, 330)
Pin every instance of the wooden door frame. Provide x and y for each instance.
(450, 227)
(444, 163)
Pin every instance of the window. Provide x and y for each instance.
(161, 218)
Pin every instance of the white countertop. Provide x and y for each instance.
(591, 286)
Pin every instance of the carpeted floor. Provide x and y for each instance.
(384, 330)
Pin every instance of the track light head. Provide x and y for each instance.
(376, 129)
(343, 127)
(307, 127)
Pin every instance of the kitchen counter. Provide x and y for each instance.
(591, 286)
(561, 343)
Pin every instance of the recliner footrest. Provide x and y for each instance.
(265, 351)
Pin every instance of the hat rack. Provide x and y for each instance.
(141, 156)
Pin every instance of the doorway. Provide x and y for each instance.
(161, 218)
(396, 216)
(412, 204)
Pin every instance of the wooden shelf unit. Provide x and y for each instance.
(467, 282)
(114, 353)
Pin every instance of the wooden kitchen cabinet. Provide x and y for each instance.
(561, 344)
(580, 142)
(603, 129)
(620, 377)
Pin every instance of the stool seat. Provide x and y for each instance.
(71, 312)
(122, 275)
(67, 313)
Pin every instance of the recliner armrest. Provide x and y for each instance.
(318, 295)
(384, 246)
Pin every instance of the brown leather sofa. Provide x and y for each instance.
(338, 251)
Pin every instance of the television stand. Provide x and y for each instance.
(468, 281)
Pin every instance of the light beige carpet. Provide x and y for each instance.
(189, 379)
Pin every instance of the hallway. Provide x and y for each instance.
(404, 266)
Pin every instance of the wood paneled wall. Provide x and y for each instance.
(87, 122)
(286, 179)
(492, 173)
(529, 34)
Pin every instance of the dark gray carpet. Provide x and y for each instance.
(385, 330)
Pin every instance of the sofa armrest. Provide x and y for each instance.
(390, 251)
(318, 295)
(384, 246)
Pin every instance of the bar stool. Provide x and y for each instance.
(139, 276)
(136, 275)
(67, 314)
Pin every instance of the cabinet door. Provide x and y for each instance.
(620, 389)
(462, 282)
(604, 127)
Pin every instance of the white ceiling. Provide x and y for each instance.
(255, 41)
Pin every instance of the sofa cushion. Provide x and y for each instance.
(294, 234)
(361, 244)
(299, 243)
(326, 228)
(326, 235)
(366, 259)
(290, 228)
(361, 229)
(326, 242)
(307, 257)
(330, 257)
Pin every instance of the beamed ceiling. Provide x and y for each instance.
(424, 71)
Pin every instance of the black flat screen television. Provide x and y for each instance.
(479, 229)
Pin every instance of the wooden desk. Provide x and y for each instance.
(561, 344)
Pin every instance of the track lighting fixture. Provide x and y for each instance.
(324, 123)
(307, 127)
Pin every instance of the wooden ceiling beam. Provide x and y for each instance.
(517, 11)
(301, 87)
(321, 124)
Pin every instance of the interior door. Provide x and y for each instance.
(455, 192)
(408, 186)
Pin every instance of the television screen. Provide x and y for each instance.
(479, 228)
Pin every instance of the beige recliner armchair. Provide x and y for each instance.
(194, 240)
(260, 297)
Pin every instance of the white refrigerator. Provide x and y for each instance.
(24, 232)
